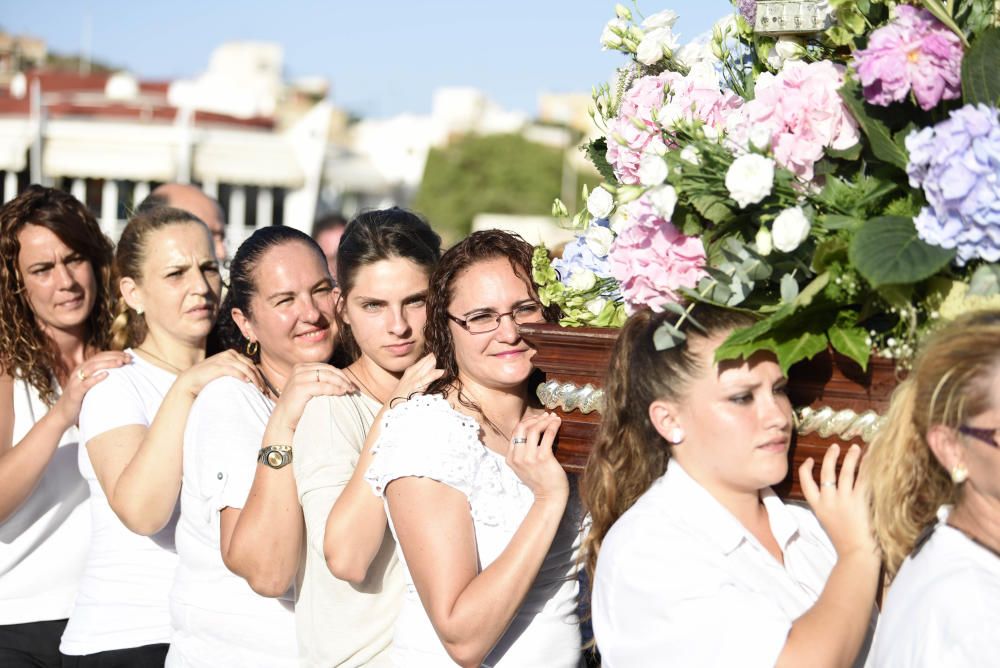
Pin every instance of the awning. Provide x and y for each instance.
(247, 158)
(129, 151)
(15, 138)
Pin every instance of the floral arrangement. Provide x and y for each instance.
(831, 166)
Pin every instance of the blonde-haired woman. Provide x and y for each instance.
(936, 502)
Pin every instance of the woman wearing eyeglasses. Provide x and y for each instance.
(936, 498)
(480, 508)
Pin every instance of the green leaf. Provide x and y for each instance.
(597, 151)
(877, 132)
(828, 252)
(797, 348)
(980, 74)
(852, 342)
(888, 250)
(712, 207)
(852, 153)
(810, 291)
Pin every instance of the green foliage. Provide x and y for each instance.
(887, 250)
(597, 151)
(487, 174)
(879, 136)
(980, 74)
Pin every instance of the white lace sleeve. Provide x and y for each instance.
(425, 438)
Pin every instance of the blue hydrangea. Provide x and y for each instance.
(957, 163)
(579, 255)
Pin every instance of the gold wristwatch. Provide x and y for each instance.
(275, 456)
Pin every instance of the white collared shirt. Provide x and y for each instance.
(680, 581)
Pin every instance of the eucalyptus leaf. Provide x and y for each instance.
(789, 288)
(985, 281)
(667, 336)
(888, 250)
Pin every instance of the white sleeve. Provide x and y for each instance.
(424, 438)
(649, 608)
(224, 432)
(114, 402)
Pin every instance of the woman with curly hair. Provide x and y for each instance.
(55, 316)
(936, 502)
(695, 560)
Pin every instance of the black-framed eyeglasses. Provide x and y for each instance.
(987, 436)
(487, 321)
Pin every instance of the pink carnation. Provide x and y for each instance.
(694, 96)
(802, 110)
(652, 260)
(914, 51)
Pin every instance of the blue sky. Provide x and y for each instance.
(382, 57)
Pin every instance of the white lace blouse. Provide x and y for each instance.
(425, 437)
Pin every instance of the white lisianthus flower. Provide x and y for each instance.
(750, 179)
(653, 169)
(623, 12)
(600, 203)
(790, 229)
(582, 280)
(669, 115)
(690, 155)
(725, 26)
(596, 305)
(599, 239)
(763, 241)
(760, 136)
(694, 52)
(619, 220)
(655, 44)
(705, 73)
(663, 199)
(785, 49)
(711, 134)
(611, 35)
(664, 19)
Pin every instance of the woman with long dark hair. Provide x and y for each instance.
(55, 317)
(487, 526)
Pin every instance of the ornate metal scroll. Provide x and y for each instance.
(791, 17)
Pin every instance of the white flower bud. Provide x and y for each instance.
(763, 241)
(653, 169)
(582, 280)
(600, 203)
(790, 229)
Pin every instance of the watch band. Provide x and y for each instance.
(275, 456)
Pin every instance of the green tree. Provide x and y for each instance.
(487, 174)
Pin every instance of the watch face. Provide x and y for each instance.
(275, 459)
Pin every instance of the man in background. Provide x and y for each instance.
(191, 199)
(327, 232)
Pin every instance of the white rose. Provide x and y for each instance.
(654, 44)
(582, 280)
(690, 155)
(596, 305)
(785, 49)
(669, 115)
(652, 170)
(790, 229)
(663, 199)
(750, 179)
(664, 19)
(611, 35)
(763, 241)
(600, 203)
(599, 239)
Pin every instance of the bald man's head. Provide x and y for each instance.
(191, 199)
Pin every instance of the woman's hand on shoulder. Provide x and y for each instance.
(415, 379)
(92, 371)
(841, 502)
(308, 380)
(532, 458)
(226, 363)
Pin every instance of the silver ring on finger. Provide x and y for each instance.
(81, 374)
(518, 440)
(829, 483)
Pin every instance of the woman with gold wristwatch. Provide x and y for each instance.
(279, 312)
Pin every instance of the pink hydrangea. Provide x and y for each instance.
(695, 96)
(802, 112)
(914, 52)
(652, 260)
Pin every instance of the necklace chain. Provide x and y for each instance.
(159, 359)
(267, 383)
(364, 387)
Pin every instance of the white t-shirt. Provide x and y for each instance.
(218, 619)
(425, 437)
(339, 624)
(125, 587)
(679, 579)
(43, 545)
(943, 608)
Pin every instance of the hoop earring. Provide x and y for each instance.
(251, 348)
(959, 474)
